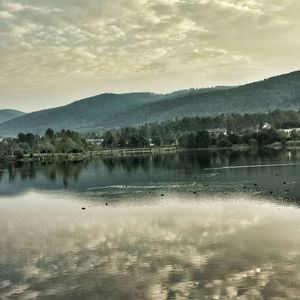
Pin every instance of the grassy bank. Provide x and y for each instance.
(75, 157)
(127, 152)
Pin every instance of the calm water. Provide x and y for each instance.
(226, 227)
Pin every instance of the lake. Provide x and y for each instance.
(187, 225)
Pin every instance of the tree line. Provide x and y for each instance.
(199, 139)
(64, 141)
(193, 132)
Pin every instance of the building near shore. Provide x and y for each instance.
(217, 131)
(288, 131)
(96, 142)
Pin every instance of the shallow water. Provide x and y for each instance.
(215, 234)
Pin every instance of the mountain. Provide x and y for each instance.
(101, 111)
(8, 114)
(78, 115)
(280, 92)
(118, 110)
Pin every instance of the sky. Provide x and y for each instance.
(53, 52)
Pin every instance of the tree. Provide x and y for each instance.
(108, 139)
(295, 135)
(156, 140)
(223, 143)
(202, 139)
(133, 141)
(28, 138)
(234, 139)
(18, 154)
(183, 140)
(49, 133)
(143, 141)
(268, 136)
(191, 141)
(170, 138)
(213, 139)
(122, 142)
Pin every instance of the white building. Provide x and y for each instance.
(217, 131)
(96, 142)
(266, 126)
(288, 131)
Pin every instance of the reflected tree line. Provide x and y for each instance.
(54, 171)
(185, 161)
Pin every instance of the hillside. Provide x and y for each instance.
(117, 110)
(79, 115)
(8, 114)
(101, 111)
(280, 92)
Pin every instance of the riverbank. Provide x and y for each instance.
(76, 157)
(125, 152)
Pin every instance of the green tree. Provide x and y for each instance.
(202, 139)
(49, 133)
(234, 139)
(191, 140)
(134, 141)
(122, 143)
(108, 139)
(156, 140)
(143, 141)
(295, 135)
(223, 143)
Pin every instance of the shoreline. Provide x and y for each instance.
(128, 152)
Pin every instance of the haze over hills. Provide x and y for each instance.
(118, 110)
(8, 114)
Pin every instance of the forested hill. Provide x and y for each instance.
(119, 110)
(281, 92)
(101, 111)
(79, 115)
(8, 114)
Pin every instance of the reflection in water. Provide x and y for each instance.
(214, 234)
(187, 161)
(177, 248)
(160, 170)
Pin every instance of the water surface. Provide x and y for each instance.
(191, 225)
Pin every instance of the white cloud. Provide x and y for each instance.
(13, 6)
(247, 6)
(17, 7)
(138, 40)
(5, 15)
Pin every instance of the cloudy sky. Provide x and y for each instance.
(53, 52)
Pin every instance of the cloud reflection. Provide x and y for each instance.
(235, 248)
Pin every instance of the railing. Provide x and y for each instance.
(134, 151)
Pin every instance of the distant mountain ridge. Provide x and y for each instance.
(8, 114)
(119, 110)
(101, 111)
